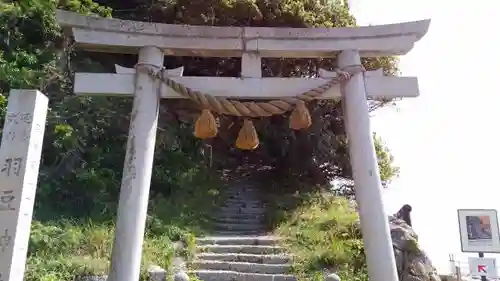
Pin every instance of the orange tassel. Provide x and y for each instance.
(247, 137)
(300, 117)
(206, 126)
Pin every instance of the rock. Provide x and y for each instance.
(178, 264)
(156, 273)
(411, 260)
(181, 276)
(178, 245)
(332, 277)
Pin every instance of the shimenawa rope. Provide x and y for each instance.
(206, 126)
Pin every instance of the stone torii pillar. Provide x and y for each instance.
(134, 191)
(374, 224)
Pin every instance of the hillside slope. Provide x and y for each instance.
(62, 247)
(323, 234)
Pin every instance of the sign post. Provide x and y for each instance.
(483, 267)
(479, 233)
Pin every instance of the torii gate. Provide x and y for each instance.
(154, 40)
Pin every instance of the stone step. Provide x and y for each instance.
(241, 199)
(238, 226)
(251, 192)
(243, 205)
(223, 215)
(252, 220)
(238, 240)
(209, 275)
(243, 195)
(236, 214)
(242, 210)
(242, 267)
(238, 257)
(235, 233)
(242, 188)
(238, 198)
(244, 249)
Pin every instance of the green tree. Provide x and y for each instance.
(35, 55)
(317, 155)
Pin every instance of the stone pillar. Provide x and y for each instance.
(20, 153)
(368, 187)
(134, 192)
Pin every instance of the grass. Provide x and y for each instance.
(62, 249)
(319, 230)
(321, 234)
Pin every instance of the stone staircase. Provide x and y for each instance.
(240, 250)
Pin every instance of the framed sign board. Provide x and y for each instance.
(479, 230)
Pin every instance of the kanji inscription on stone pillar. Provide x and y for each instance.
(20, 152)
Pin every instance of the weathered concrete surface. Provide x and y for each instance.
(238, 240)
(20, 152)
(219, 275)
(245, 249)
(253, 258)
(134, 191)
(123, 84)
(123, 36)
(245, 267)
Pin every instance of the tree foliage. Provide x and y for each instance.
(84, 143)
(318, 155)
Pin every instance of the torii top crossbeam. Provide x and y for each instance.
(124, 36)
(250, 43)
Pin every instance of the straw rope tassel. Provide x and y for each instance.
(300, 117)
(247, 137)
(206, 126)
